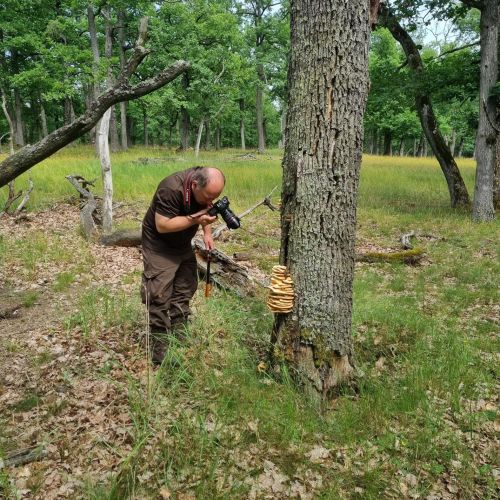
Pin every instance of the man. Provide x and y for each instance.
(169, 281)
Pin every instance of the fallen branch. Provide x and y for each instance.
(266, 201)
(411, 257)
(24, 456)
(405, 240)
(25, 199)
(86, 213)
(225, 272)
(122, 238)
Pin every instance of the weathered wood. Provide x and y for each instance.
(24, 456)
(405, 240)
(411, 257)
(25, 199)
(86, 213)
(122, 238)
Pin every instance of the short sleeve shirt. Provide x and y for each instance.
(168, 201)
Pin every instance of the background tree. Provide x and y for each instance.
(456, 186)
(328, 87)
(487, 131)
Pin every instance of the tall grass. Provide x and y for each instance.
(425, 343)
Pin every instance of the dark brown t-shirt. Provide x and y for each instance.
(169, 202)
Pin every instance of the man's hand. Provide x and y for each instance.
(204, 220)
(208, 240)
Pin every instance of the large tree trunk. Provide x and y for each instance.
(328, 88)
(482, 207)
(259, 106)
(456, 186)
(30, 155)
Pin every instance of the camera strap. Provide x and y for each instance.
(187, 191)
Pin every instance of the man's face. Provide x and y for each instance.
(207, 195)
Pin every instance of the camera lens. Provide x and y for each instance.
(232, 221)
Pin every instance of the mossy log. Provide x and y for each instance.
(411, 257)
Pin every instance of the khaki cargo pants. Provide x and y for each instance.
(168, 285)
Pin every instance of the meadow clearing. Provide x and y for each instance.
(421, 420)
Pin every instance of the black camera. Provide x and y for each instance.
(222, 207)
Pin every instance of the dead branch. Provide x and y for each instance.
(266, 201)
(405, 240)
(10, 200)
(86, 213)
(23, 456)
(25, 199)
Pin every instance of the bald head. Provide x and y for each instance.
(207, 185)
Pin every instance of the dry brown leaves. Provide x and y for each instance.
(57, 388)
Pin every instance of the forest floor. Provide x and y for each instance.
(212, 422)
(60, 388)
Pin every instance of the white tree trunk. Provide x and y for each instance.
(198, 139)
(107, 179)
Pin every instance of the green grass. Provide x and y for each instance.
(425, 339)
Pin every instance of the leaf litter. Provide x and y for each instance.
(71, 394)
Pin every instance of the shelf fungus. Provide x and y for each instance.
(281, 293)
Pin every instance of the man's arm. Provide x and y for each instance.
(207, 237)
(181, 222)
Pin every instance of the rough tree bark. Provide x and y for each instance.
(328, 88)
(456, 186)
(30, 155)
(483, 207)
